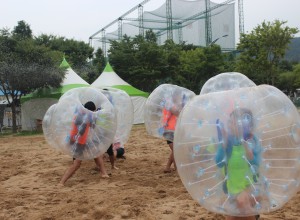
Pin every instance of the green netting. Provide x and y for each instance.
(131, 91)
(188, 23)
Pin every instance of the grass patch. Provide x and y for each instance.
(8, 132)
(28, 133)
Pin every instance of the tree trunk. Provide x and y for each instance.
(14, 117)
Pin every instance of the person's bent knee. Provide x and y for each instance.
(242, 201)
(76, 164)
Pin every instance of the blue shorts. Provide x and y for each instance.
(169, 136)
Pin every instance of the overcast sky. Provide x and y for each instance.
(80, 19)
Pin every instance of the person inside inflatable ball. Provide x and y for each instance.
(238, 155)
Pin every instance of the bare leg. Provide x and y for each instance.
(100, 163)
(112, 162)
(115, 158)
(170, 160)
(173, 158)
(70, 171)
(243, 202)
(169, 163)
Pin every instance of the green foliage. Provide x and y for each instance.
(76, 52)
(229, 61)
(99, 60)
(192, 62)
(198, 65)
(25, 66)
(144, 64)
(296, 71)
(94, 67)
(293, 52)
(290, 81)
(150, 36)
(121, 56)
(22, 31)
(28, 62)
(138, 61)
(263, 49)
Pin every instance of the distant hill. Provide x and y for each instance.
(293, 53)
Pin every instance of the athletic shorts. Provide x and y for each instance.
(110, 151)
(120, 152)
(169, 142)
(169, 136)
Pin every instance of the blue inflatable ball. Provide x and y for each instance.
(238, 151)
(82, 124)
(162, 109)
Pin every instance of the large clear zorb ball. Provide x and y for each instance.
(238, 151)
(226, 81)
(77, 131)
(162, 109)
(124, 111)
(47, 125)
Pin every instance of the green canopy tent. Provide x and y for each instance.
(35, 105)
(108, 78)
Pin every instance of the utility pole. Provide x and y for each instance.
(120, 22)
(169, 19)
(104, 43)
(180, 35)
(208, 32)
(241, 16)
(141, 20)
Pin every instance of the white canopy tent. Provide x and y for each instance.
(108, 78)
(35, 105)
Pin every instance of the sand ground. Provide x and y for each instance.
(30, 171)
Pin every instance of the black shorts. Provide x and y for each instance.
(169, 142)
(110, 151)
(120, 152)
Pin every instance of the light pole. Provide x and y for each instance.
(214, 41)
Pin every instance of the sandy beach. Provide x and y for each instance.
(30, 171)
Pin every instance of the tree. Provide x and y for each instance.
(145, 65)
(24, 67)
(95, 67)
(150, 36)
(78, 53)
(213, 62)
(191, 64)
(290, 81)
(121, 56)
(22, 31)
(138, 61)
(171, 52)
(150, 64)
(99, 60)
(198, 65)
(263, 49)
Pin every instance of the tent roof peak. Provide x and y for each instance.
(64, 64)
(108, 68)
